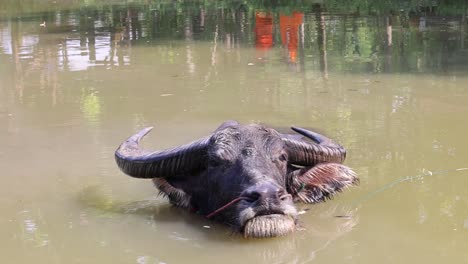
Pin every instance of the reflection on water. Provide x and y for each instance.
(90, 106)
(31, 232)
(78, 78)
(88, 38)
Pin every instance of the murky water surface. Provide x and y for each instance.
(77, 80)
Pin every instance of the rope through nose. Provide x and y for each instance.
(222, 208)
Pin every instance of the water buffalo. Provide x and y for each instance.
(246, 176)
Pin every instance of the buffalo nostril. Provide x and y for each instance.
(285, 197)
(266, 192)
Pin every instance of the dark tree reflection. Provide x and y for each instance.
(417, 41)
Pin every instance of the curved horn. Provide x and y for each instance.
(226, 124)
(305, 153)
(146, 164)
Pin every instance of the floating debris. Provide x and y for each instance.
(206, 226)
(251, 64)
(164, 95)
(343, 216)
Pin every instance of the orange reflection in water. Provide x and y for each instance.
(263, 30)
(289, 26)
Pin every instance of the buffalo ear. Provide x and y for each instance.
(319, 183)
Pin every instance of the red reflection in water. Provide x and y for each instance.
(263, 30)
(289, 26)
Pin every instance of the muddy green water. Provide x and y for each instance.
(77, 79)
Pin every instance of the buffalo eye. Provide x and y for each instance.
(280, 160)
(214, 162)
(283, 157)
(247, 152)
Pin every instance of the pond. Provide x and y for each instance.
(77, 77)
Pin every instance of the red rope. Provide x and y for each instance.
(224, 207)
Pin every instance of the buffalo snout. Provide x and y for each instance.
(266, 193)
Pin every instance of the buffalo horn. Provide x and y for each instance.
(306, 153)
(140, 163)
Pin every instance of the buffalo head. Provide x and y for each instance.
(247, 176)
